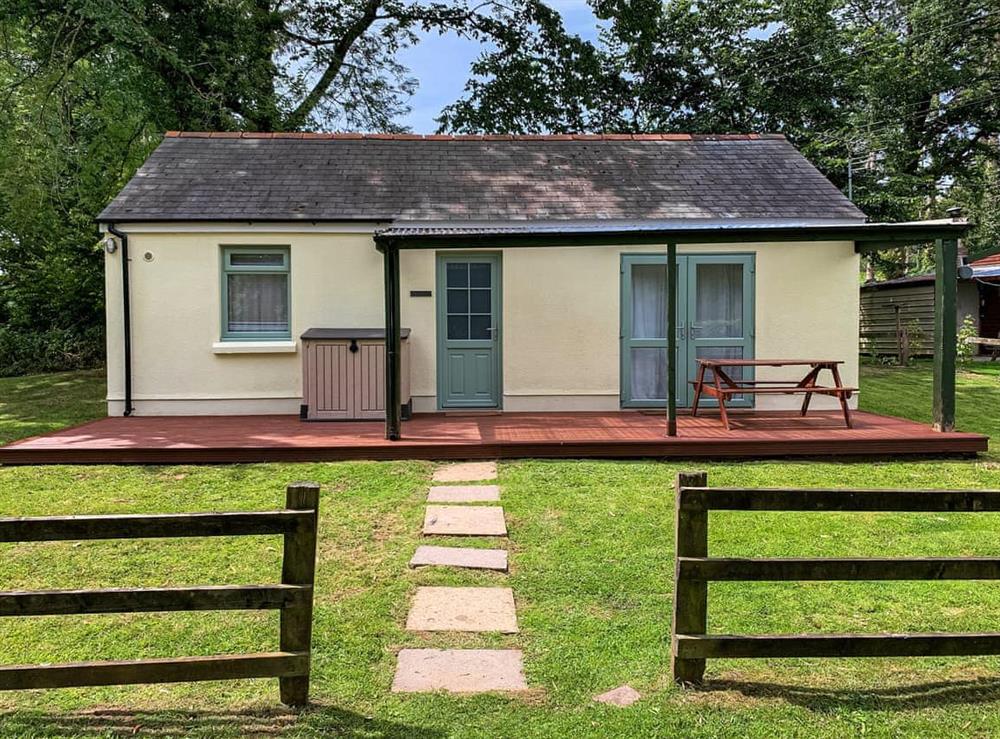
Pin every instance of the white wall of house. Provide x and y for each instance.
(560, 323)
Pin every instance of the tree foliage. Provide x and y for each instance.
(88, 86)
(906, 91)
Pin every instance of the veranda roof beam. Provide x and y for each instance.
(866, 236)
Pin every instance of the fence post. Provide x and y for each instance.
(690, 596)
(298, 567)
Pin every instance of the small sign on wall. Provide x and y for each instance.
(420, 293)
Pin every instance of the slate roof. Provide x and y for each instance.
(334, 177)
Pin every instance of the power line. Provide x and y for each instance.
(902, 15)
(873, 128)
(863, 50)
(868, 47)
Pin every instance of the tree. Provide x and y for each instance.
(251, 64)
(904, 90)
(88, 86)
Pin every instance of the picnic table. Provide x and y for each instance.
(993, 344)
(723, 386)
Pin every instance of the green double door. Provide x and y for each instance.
(468, 329)
(714, 299)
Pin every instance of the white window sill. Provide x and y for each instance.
(254, 347)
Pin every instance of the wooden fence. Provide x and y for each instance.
(694, 569)
(293, 597)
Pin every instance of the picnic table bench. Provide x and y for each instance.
(722, 385)
(993, 344)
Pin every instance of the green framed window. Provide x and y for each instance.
(256, 293)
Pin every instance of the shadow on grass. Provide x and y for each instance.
(898, 698)
(316, 720)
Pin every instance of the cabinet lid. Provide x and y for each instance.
(350, 333)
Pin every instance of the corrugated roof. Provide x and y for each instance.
(991, 261)
(331, 177)
(899, 282)
(416, 228)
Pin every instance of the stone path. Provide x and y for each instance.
(464, 494)
(475, 559)
(462, 609)
(453, 520)
(459, 671)
(466, 472)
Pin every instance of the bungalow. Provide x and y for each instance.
(259, 273)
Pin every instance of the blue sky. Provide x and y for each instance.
(441, 64)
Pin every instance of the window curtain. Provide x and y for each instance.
(258, 303)
(649, 374)
(649, 301)
(719, 301)
(649, 321)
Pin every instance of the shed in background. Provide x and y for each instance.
(903, 308)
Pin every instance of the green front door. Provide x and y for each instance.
(714, 319)
(468, 329)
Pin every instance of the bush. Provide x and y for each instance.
(26, 352)
(966, 350)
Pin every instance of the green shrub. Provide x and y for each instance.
(966, 350)
(30, 352)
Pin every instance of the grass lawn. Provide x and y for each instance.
(591, 546)
(41, 403)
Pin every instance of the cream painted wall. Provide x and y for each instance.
(562, 323)
(336, 280)
(560, 329)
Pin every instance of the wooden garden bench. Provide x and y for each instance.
(723, 387)
(993, 344)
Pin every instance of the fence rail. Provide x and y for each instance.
(293, 597)
(694, 569)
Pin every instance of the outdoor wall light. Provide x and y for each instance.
(110, 244)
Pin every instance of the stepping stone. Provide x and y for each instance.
(475, 559)
(459, 671)
(463, 609)
(466, 472)
(451, 520)
(624, 695)
(464, 494)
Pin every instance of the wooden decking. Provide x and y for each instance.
(224, 439)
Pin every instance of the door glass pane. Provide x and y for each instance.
(480, 326)
(479, 274)
(469, 301)
(458, 275)
(458, 300)
(257, 303)
(649, 374)
(480, 302)
(458, 327)
(718, 301)
(649, 301)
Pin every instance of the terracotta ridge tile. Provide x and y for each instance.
(355, 136)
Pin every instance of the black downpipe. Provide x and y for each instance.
(126, 316)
